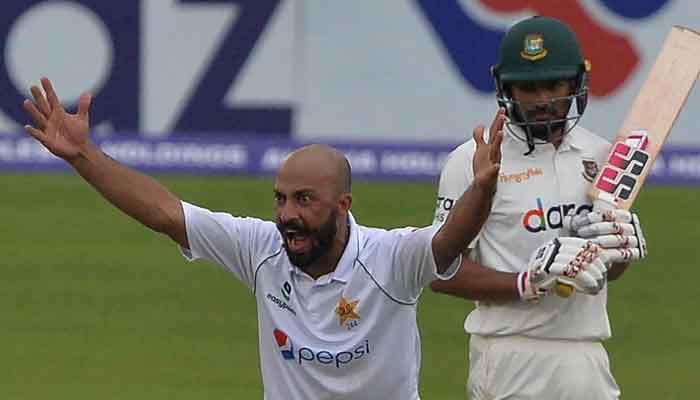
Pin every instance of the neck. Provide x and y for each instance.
(557, 139)
(329, 261)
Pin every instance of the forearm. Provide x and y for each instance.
(136, 194)
(463, 225)
(474, 281)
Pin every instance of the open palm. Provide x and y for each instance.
(63, 134)
(487, 156)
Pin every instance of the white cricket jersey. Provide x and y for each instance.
(534, 192)
(350, 334)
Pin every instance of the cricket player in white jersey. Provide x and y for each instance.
(527, 343)
(336, 300)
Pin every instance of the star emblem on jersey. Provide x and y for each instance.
(590, 170)
(347, 311)
(533, 48)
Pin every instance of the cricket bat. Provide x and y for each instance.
(646, 126)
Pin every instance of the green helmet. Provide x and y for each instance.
(540, 49)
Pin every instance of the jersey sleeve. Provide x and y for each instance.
(234, 243)
(412, 262)
(455, 178)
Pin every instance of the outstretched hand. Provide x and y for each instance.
(487, 156)
(63, 134)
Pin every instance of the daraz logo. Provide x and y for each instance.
(537, 220)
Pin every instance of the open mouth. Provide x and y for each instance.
(297, 242)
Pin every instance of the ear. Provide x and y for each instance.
(345, 202)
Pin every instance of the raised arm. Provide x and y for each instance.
(471, 210)
(68, 136)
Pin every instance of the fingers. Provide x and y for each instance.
(606, 228)
(40, 100)
(616, 241)
(35, 133)
(84, 106)
(498, 121)
(478, 135)
(39, 117)
(577, 221)
(495, 131)
(621, 255)
(50, 93)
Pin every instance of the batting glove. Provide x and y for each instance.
(617, 232)
(573, 261)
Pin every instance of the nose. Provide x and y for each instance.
(286, 211)
(543, 95)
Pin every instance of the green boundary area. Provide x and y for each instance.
(92, 305)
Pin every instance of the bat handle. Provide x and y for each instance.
(564, 289)
(603, 205)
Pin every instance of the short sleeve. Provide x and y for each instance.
(235, 243)
(455, 178)
(412, 261)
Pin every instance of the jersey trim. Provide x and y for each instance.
(255, 279)
(392, 298)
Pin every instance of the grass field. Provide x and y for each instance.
(93, 306)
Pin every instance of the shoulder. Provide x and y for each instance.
(589, 138)
(374, 238)
(457, 171)
(592, 145)
(462, 153)
(215, 223)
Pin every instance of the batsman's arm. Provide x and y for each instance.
(471, 210)
(67, 136)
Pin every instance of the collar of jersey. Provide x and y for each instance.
(572, 140)
(345, 266)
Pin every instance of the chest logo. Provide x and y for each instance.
(518, 177)
(347, 311)
(590, 170)
(286, 290)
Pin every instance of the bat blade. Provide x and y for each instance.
(647, 125)
(649, 120)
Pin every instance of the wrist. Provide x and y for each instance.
(87, 152)
(525, 290)
(483, 186)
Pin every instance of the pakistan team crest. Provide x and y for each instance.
(590, 170)
(347, 312)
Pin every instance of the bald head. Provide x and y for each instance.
(319, 161)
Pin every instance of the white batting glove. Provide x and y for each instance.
(618, 232)
(574, 261)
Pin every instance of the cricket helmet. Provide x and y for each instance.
(541, 49)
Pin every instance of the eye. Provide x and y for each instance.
(304, 198)
(278, 198)
(527, 87)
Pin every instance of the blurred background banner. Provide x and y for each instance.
(243, 72)
(262, 154)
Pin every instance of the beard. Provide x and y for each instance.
(321, 239)
(543, 121)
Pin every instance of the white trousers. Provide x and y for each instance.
(521, 368)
